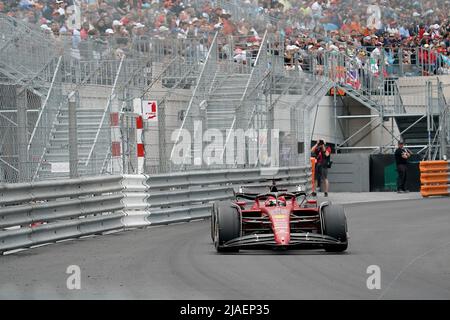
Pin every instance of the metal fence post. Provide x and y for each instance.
(124, 139)
(22, 135)
(132, 147)
(162, 137)
(443, 129)
(73, 136)
(428, 113)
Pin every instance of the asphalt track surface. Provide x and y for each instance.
(408, 240)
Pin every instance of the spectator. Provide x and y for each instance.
(401, 159)
(312, 26)
(322, 153)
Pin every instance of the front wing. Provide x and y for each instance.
(304, 240)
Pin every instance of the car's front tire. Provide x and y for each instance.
(335, 225)
(227, 225)
(213, 220)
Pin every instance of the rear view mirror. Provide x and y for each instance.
(241, 203)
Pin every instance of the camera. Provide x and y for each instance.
(321, 142)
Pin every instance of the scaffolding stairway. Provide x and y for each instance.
(416, 137)
(412, 125)
(27, 56)
(222, 103)
(89, 115)
(361, 97)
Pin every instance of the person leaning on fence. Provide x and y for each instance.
(401, 159)
(322, 153)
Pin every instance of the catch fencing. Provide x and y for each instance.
(32, 214)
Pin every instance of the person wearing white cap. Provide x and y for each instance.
(435, 31)
(109, 31)
(240, 56)
(333, 48)
(45, 27)
(374, 16)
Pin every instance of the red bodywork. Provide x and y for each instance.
(282, 217)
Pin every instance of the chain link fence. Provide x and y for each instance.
(239, 111)
(222, 102)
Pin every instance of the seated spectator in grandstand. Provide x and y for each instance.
(307, 28)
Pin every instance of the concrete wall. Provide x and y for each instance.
(349, 173)
(325, 126)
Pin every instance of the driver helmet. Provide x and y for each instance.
(282, 201)
(271, 202)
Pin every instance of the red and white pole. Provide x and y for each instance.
(140, 144)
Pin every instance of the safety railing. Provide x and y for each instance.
(182, 197)
(241, 10)
(407, 61)
(40, 135)
(368, 81)
(370, 74)
(192, 48)
(434, 178)
(44, 212)
(252, 95)
(391, 62)
(22, 47)
(444, 119)
(237, 54)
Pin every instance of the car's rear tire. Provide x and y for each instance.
(335, 225)
(227, 225)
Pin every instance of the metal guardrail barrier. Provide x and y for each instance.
(179, 197)
(43, 212)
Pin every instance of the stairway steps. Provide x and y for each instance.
(79, 139)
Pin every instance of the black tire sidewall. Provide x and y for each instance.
(228, 222)
(213, 220)
(335, 225)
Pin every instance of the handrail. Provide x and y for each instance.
(160, 75)
(194, 94)
(26, 27)
(262, 47)
(228, 136)
(45, 148)
(105, 111)
(245, 93)
(45, 103)
(69, 96)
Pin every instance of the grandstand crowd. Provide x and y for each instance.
(362, 29)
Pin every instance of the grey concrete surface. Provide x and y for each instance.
(368, 197)
(409, 240)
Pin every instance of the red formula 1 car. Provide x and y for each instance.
(278, 219)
